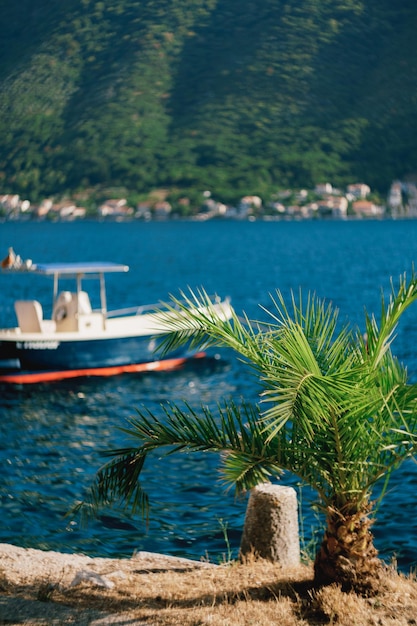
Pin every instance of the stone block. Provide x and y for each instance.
(271, 525)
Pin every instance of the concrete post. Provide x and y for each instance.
(271, 525)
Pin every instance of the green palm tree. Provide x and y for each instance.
(335, 409)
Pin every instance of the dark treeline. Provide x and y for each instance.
(235, 97)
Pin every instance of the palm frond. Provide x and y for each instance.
(379, 339)
(118, 483)
(198, 321)
(236, 431)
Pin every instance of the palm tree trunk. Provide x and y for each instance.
(347, 555)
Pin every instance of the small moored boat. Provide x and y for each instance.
(78, 340)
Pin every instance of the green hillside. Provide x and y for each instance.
(236, 97)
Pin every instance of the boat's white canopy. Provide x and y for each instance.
(74, 269)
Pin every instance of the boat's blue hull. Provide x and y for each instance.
(50, 359)
(44, 354)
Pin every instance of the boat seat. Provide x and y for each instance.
(69, 309)
(29, 315)
(68, 304)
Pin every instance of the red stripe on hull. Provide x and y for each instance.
(25, 378)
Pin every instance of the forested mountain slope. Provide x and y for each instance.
(232, 96)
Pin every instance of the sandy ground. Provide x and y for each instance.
(22, 567)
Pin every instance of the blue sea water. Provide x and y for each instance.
(52, 436)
